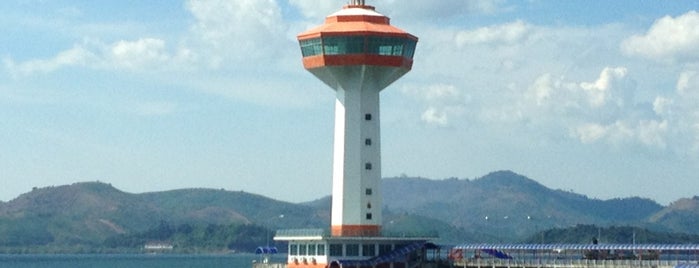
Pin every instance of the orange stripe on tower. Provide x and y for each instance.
(318, 61)
(355, 230)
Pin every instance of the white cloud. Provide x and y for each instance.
(662, 106)
(510, 33)
(542, 89)
(430, 10)
(599, 111)
(668, 39)
(433, 116)
(600, 91)
(240, 30)
(686, 102)
(403, 10)
(223, 31)
(71, 57)
(598, 99)
(647, 132)
(589, 133)
(677, 116)
(138, 54)
(652, 133)
(316, 9)
(688, 83)
(442, 103)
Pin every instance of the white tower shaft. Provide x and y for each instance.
(357, 53)
(356, 203)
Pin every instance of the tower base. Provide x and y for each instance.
(355, 230)
(312, 248)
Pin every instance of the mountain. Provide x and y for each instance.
(680, 216)
(499, 207)
(509, 204)
(73, 214)
(89, 213)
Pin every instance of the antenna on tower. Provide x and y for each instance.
(356, 2)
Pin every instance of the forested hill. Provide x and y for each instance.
(513, 205)
(86, 214)
(499, 207)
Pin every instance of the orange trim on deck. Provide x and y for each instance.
(319, 61)
(301, 265)
(355, 230)
(307, 264)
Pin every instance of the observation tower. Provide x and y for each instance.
(357, 53)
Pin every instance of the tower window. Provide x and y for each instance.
(368, 191)
(368, 205)
(367, 117)
(368, 216)
(367, 166)
(367, 142)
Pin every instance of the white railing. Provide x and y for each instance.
(567, 263)
(269, 265)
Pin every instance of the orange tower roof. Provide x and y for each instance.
(355, 20)
(357, 35)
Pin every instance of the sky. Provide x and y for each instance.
(597, 97)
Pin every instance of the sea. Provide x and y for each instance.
(130, 260)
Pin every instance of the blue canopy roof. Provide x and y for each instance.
(687, 265)
(388, 257)
(661, 247)
(266, 250)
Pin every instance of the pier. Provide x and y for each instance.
(575, 255)
(429, 255)
(580, 263)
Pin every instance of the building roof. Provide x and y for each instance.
(661, 247)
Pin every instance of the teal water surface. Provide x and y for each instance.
(135, 260)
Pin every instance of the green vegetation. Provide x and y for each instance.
(187, 238)
(585, 234)
(501, 207)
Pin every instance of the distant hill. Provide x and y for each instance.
(680, 216)
(583, 234)
(88, 213)
(499, 207)
(509, 204)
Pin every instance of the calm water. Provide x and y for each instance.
(122, 261)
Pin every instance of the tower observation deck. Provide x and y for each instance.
(357, 53)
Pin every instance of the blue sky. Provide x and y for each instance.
(596, 97)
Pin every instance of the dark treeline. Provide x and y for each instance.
(584, 233)
(185, 238)
(189, 238)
